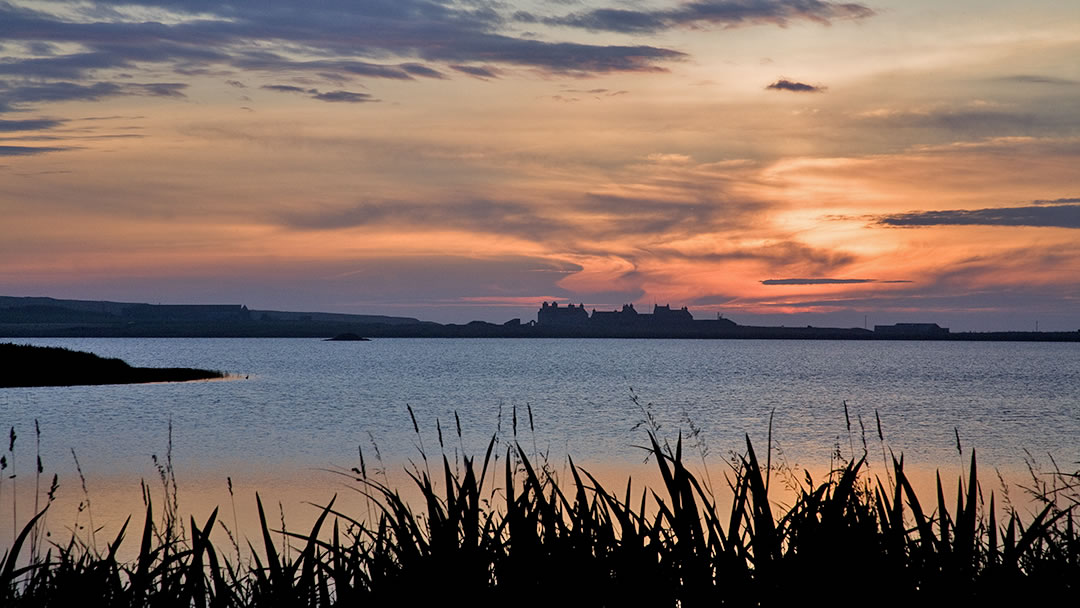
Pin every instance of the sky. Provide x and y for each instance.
(775, 162)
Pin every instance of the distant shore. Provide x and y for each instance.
(480, 329)
(53, 318)
(30, 366)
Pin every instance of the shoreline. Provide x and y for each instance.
(27, 366)
(299, 329)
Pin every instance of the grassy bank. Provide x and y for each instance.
(504, 529)
(26, 365)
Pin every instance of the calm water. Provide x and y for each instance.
(307, 403)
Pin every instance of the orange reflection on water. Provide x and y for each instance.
(293, 499)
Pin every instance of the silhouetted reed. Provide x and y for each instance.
(531, 539)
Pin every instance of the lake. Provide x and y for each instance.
(299, 405)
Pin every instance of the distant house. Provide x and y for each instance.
(553, 314)
(626, 316)
(664, 314)
(912, 330)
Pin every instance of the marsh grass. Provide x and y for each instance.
(505, 528)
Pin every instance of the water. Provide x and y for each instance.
(297, 407)
(302, 403)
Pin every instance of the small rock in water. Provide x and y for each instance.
(348, 337)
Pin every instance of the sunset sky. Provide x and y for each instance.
(778, 162)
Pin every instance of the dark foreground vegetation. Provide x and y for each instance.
(526, 538)
(25, 365)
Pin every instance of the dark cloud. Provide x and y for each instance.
(341, 37)
(417, 69)
(287, 88)
(15, 95)
(797, 87)
(31, 124)
(41, 48)
(605, 19)
(780, 255)
(73, 66)
(160, 89)
(1041, 215)
(236, 83)
(271, 62)
(816, 281)
(475, 70)
(565, 58)
(719, 13)
(1056, 201)
(331, 96)
(26, 150)
(344, 97)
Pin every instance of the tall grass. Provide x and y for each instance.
(529, 539)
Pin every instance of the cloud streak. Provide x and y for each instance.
(703, 13)
(591, 217)
(32, 124)
(816, 281)
(18, 95)
(1045, 214)
(26, 150)
(330, 96)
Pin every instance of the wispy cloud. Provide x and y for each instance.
(593, 216)
(344, 97)
(716, 13)
(17, 95)
(31, 124)
(971, 119)
(331, 96)
(288, 88)
(475, 70)
(1056, 201)
(26, 150)
(1038, 79)
(353, 39)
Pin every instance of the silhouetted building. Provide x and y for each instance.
(664, 314)
(661, 317)
(914, 330)
(552, 314)
(607, 318)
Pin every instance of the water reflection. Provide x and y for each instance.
(305, 407)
